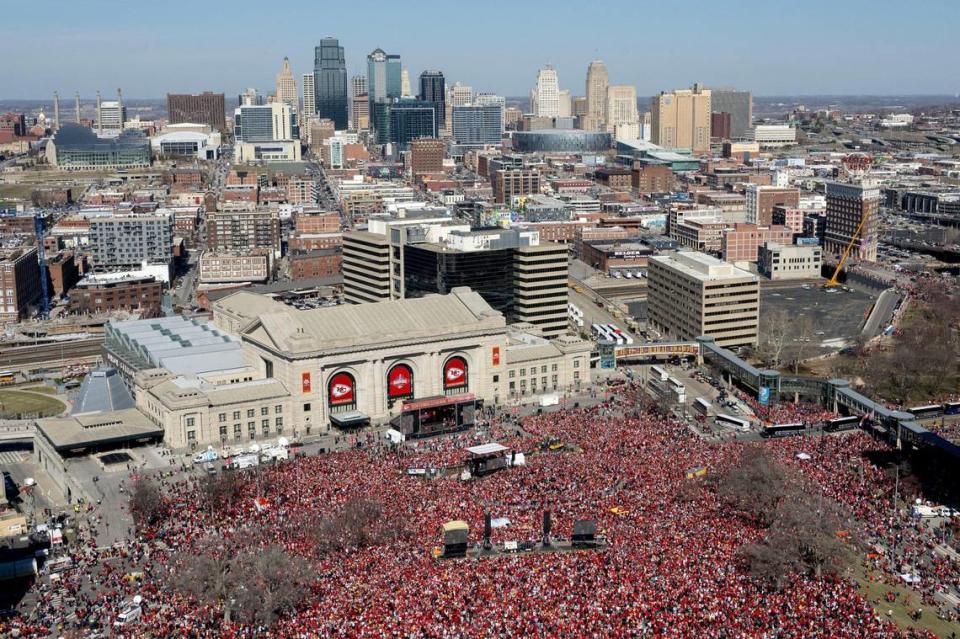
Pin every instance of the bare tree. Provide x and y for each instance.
(809, 534)
(255, 584)
(360, 523)
(804, 344)
(268, 582)
(775, 334)
(755, 484)
(146, 502)
(220, 492)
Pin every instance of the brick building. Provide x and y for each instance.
(616, 178)
(64, 273)
(223, 268)
(510, 183)
(315, 241)
(19, 281)
(653, 178)
(317, 263)
(117, 292)
(742, 242)
(426, 155)
(788, 216)
(761, 199)
(321, 222)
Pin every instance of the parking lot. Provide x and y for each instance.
(837, 316)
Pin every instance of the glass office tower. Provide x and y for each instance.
(433, 89)
(330, 82)
(383, 84)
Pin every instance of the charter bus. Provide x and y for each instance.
(951, 408)
(841, 423)
(7, 376)
(701, 405)
(782, 430)
(658, 373)
(734, 422)
(926, 412)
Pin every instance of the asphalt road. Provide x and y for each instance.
(882, 312)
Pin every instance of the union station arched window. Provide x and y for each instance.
(456, 377)
(399, 382)
(342, 392)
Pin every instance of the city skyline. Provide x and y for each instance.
(651, 47)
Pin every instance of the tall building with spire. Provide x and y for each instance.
(545, 97)
(330, 82)
(76, 106)
(597, 83)
(287, 86)
(56, 110)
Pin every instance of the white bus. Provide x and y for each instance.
(701, 405)
(733, 422)
(658, 373)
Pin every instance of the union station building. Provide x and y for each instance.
(425, 365)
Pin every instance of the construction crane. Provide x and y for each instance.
(38, 228)
(846, 252)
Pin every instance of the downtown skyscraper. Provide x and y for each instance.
(597, 83)
(383, 85)
(433, 88)
(545, 97)
(330, 82)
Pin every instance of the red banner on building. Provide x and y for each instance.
(341, 389)
(455, 373)
(305, 382)
(400, 381)
(496, 355)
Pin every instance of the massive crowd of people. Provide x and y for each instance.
(669, 569)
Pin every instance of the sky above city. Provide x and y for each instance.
(838, 47)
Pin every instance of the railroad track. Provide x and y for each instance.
(19, 358)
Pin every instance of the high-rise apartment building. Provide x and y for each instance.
(476, 124)
(426, 155)
(692, 294)
(330, 82)
(405, 83)
(126, 242)
(621, 117)
(309, 98)
(545, 96)
(197, 108)
(244, 230)
(681, 119)
(720, 125)
(433, 89)
(739, 104)
(383, 84)
(852, 207)
(598, 80)
(760, 200)
(287, 86)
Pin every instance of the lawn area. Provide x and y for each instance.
(48, 390)
(14, 403)
(907, 601)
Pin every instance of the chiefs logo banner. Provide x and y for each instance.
(342, 389)
(400, 381)
(305, 382)
(455, 373)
